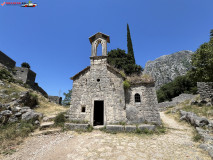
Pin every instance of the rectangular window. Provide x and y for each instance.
(83, 109)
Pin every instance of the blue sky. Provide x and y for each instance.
(53, 37)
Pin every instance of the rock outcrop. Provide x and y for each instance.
(175, 101)
(166, 68)
(204, 129)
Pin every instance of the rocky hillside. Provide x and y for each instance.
(167, 67)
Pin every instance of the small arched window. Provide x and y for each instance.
(137, 97)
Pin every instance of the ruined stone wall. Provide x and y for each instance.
(98, 83)
(146, 110)
(21, 74)
(6, 61)
(31, 77)
(25, 75)
(36, 87)
(205, 89)
(55, 99)
(175, 101)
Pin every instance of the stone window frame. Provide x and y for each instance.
(137, 98)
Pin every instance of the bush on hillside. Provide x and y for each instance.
(6, 75)
(181, 84)
(60, 119)
(25, 65)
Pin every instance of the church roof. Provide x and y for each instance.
(81, 72)
(143, 79)
(87, 68)
(92, 38)
(133, 79)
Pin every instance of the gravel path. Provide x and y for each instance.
(176, 144)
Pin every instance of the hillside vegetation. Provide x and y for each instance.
(201, 71)
(13, 133)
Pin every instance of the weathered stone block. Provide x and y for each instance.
(130, 128)
(73, 126)
(147, 126)
(116, 128)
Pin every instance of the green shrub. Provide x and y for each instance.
(6, 75)
(123, 74)
(120, 60)
(60, 119)
(126, 84)
(160, 129)
(12, 134)
(181, 84)
(25, 65)
(89, 128)
(196, 137)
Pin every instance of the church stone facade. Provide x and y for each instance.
(99, 98)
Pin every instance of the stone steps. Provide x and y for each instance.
(49, 118)
(46, 132)
(98, 127)
(45, 125)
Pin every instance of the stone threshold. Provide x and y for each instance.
(113, 128)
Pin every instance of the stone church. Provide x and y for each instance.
(99, 98)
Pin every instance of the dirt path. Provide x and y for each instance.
(176, 144)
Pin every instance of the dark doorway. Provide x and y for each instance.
(98, 113)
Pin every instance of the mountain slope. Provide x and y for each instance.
(167, 67)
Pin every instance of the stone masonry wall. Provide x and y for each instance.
(39, 89)
(98, 83)
(55, 99)
(146, 110)
(175, 101)
(205, 89)
(6, 61)
(25, 75)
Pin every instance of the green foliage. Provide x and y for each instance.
(196, 137)
(206, 111)
(33, 100)
(202, 62)
(25, 65)
(126, 84)
(89, 128)
(12, 134)
(67, 98)
(6, 75)
(120, 60)
(211, 34)
(123, 74)
(117, 58)
(126, 62)
(60, 119)
(181, 84)
(160, 129)
(130, 53)
(78, 121)
(202, 69)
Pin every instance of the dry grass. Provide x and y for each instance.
(205, 111)
(46, 107)
(14, 134)
(14, 88)
(145, 78)
(49, 108)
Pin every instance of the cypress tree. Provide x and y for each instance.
(130, 52)
(211, 34)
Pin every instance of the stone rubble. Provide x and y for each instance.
(199, 123)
